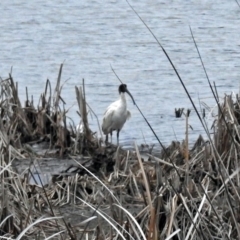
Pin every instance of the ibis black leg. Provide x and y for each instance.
(111, 136)
(118, 137)
(106, 140)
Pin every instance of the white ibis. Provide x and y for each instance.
(116, 114)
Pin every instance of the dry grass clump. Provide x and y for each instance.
(26, 209)
(108, 193)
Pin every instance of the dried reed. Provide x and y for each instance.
(110, 193)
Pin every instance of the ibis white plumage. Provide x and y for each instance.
(116, 114)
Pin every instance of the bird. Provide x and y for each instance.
(116, 114)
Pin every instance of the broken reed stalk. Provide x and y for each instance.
(81, 99)
(171, 219)
(186, 150)
(152, 227)
(57, 92)
(99, 127)
(186, 138)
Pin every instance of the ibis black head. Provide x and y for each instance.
(123, 88)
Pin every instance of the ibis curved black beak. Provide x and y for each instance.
(130, 96)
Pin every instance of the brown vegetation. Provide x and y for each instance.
(109, 193)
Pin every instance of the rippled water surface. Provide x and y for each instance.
(88, 36)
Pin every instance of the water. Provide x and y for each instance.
(89, 36)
